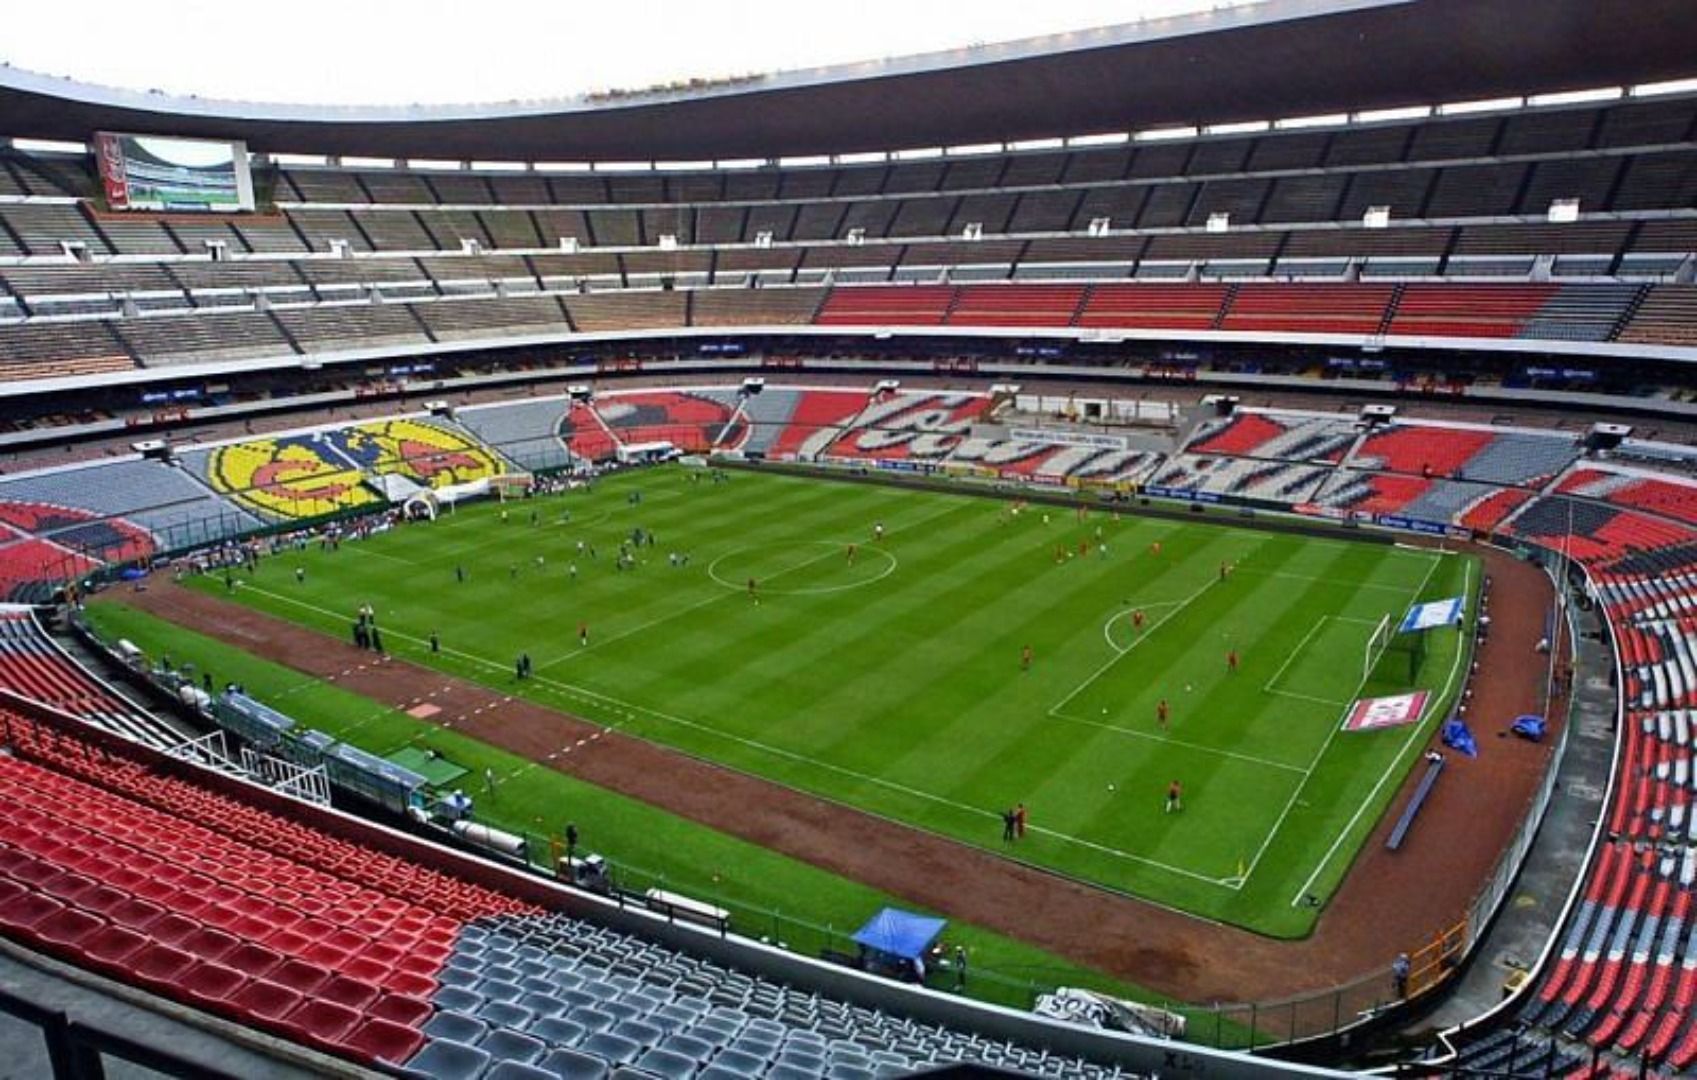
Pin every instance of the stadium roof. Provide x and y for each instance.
(1284, 58)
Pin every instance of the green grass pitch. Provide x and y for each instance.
(895, 683)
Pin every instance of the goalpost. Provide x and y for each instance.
(1376, 646)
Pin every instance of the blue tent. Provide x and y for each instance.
(1530, 726)
(1456, 736)
(900, 933)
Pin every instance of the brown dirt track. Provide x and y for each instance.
(1389, 902)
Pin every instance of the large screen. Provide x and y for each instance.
(145, 172)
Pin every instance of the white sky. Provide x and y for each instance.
(402, 52)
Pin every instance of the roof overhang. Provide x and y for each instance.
(1278, 59)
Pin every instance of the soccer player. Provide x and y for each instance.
(583, 634)
(1083, 548)
(753, 588)
(1175, 797)
(851, 554)
(1137, 619)
(1155, 549)
(1231, 660)
(300, 575)
(877, 530)
(1161, 714)
(1225, 569)
(1025, 658)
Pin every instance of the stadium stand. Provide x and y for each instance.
(1665, 496)
(1486, 455)
(1292, 436)
(1286, 483)
(32, 665)
(150, 877)
(159, 498)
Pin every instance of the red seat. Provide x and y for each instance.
(172, 928)
(346, 990)
(160, 966)
(322, 1023)
(23, 914)
(401, 1009)
(111, 948)
(255, 961)
(208, 944)
(212, 985)
(383, 1040)
(410, 983)
(68, 928)
(299, 976)
(265, 1000)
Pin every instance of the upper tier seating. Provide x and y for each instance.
(1668, 316)
(1463, 311)
(1177, 307)
(1308, 309)
(918, 305)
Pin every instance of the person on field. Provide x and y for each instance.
(376, 638)
(877, 530)
(1025, 658)
(435, 642)
(851, 554)
(1231, 660)
(1155, 549)
(1019, 820)
(1162, 714)
(459, 574)
(583, 634)
(1008, 824)
(1400, 968)
(1225, 569)
(1137, 619)
(300, 575)
(753, 590)
(1175, 797)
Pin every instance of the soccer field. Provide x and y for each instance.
(894, 682)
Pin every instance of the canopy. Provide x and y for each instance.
(900, 933)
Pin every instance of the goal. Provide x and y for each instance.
(1376, 646)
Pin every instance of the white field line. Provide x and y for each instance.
(721, 594)
(1308, 774)
(1322, 579)
(1107, 625)
(1413, 734)
(1294, 653)
(1270, 689)
(1200, 747)
(1333, 702)
(1118, 656)
(630, 710)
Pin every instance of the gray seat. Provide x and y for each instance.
(740, 1063)
(638, 1032)
(782, 1071)
(574, 1065)
(499, 990)
(558, 1031)
(847, 1072)
(543, 1004)
(504, 1044)
(457, 1027)
(694, 1049)
(458, 976)
(506, 1014)
(444, 1059)
(667, 1064)
(591, 1020)
(619, 1051)
(458, 999)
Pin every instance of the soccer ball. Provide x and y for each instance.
(1187, 688)
(1111, 787)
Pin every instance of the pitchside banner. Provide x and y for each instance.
(1432, 614)
(1371, 714)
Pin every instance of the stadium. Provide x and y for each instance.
(1164, 550)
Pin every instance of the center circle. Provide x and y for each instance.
(817, 567)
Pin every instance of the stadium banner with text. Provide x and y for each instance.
(1432, 614)
(1371, 714)
(1068, 438)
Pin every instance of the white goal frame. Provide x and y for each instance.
(1376, 646)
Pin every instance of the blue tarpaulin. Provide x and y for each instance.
(900, 933)
(1432, 614)
(1458, 738)
(1530, 726)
